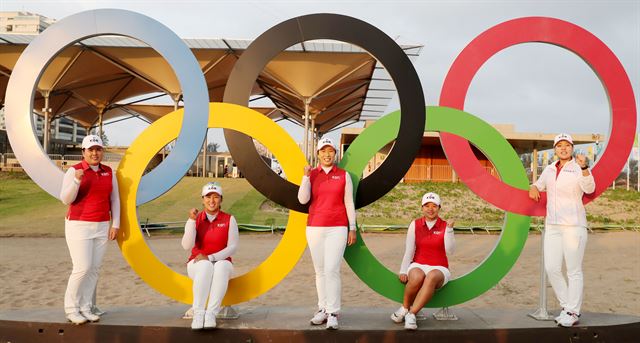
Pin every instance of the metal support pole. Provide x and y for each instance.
(100, 113)
(204, 149)
(312, 145)
(445, 314)
(541, 313)
(305, 138)
(534, 165)
(316, 138)
(228, 312)
(204, 156)
(46, 130)
(628, 171)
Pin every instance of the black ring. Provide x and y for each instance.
(346, 29)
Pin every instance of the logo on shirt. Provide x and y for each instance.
(105, 174)
(335, 177)
(220, 225)
(437, 232)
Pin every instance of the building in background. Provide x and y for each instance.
(23, 22)
(431, 164)
(66, 134)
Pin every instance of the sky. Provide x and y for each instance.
(537, 87)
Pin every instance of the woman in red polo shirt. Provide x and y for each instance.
(425, 267)
(91, 191)
(212, 237)
(331, 226)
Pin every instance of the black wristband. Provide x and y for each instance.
(584, 168)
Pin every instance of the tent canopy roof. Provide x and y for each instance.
(114, 76)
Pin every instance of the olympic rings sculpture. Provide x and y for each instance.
(188, 127)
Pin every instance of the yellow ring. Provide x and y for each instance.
(138, 254)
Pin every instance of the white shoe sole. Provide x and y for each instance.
(397, 319)
(568, 325)
(318, 323)
(76, 323)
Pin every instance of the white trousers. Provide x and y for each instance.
(210, 280)
(87, 242)
(565, 243)
(327, 245)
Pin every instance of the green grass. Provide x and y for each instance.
(26, 210)
(621, 194)
(175, 204)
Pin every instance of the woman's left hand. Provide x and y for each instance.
(113, 233)
(581, 160)
(352, 238)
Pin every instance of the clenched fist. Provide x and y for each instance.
(193, 213)
(79, 174)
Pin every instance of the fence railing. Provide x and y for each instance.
(472, 229)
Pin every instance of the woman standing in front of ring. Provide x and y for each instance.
(331, 226)
(91, 191)
(565, 236)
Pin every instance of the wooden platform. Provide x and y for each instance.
(291, 324)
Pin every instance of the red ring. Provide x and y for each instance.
(566, 35)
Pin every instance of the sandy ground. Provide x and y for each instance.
(34, 272)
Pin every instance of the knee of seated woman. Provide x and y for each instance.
(434, 276)
(203, 265)
(222, 265)
(416, 275)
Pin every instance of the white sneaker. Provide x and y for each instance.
(209, 320)
(398, 315)
(332, 322)
(319, 318)
(561, 317)
(90, 316)
(76, 318)
(198, 320)
(570, 320)
(188, 314)
(98, 312)
(410, 321)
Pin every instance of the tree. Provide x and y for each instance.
(105, 139)
(213, 147)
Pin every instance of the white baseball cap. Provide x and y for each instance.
(211, 187)
(431, 197)
(91, 140)
(325, 142)
(563, 137)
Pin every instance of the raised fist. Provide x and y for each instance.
(193, 213)
(79, 174)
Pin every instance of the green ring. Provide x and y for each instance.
(514, 231)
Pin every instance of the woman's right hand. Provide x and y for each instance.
(79, 174)
(403, 278)
(307, 170)
(193, 213)
(534, 193)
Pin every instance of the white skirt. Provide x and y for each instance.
(427, 268)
